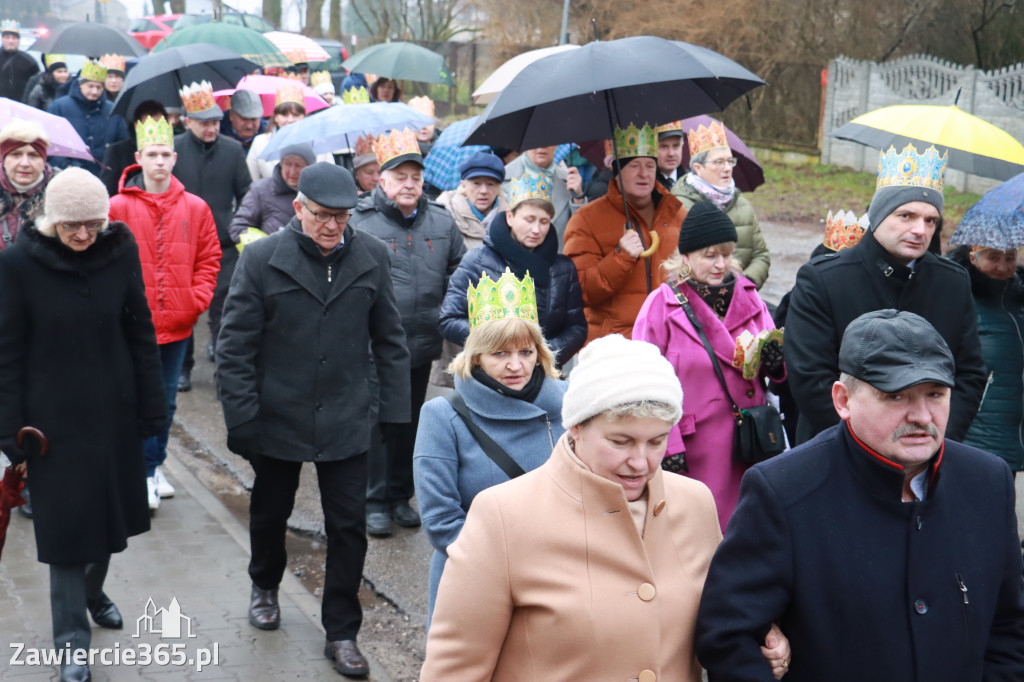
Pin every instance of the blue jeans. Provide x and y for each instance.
(171, 357)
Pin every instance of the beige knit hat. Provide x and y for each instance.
(614, 371)
(74, 194)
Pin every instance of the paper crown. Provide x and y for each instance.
(395, 144)
(910, 169)
(843, 229)
(364, 145)
(93, 71)
(673, 127)
(290, 94)
(296, 56)
(358, 95)
(424, 105)
(632, 141)
(508, 297)
(51, 59)
(113, 62)
(150, 131)
(198, 97)
(10, 26)
(705, 138)
(318, 77)
(528, 186)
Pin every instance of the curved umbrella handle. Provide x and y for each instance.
(44, 443)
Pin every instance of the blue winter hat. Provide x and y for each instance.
(483, 165)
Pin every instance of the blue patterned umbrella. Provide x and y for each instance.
(997, 220)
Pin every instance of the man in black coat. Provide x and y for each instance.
(310, 327)
(16, 67)
(890, 268)
(883, 551)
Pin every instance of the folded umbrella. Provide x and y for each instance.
(997, 220)
(13, 482)
(401, 61)
(64, 140)
(267, 86)
(89, 39)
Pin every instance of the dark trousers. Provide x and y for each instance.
(72, 587)
(171, 357)
(343, 496)
(390, 466)
(228, 260)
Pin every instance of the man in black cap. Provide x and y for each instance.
(16, 67)
(882, 551)
(310, 326)
(670, 153)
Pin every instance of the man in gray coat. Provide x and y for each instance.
(426, 248)
(310, 326)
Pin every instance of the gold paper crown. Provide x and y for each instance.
(149, 131)
(528, 186)
(910, 169)
(113, 61)
(364, 145)
(669, 127)
(632, 141)
(395, 144)
(508, 297)
(93, 71)
(10, 26)
(296, 56)
(358, 95)
(290, 94)
(51, 59)
(842, 230)
(197, 97)
(290, 75)
(705, 138)
(318, 77)
(424, 105)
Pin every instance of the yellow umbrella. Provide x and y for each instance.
(974, 145)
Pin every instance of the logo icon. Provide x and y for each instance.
(168, 623)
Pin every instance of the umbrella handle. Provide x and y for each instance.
(44, 443)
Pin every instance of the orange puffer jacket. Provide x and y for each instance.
(178, 247)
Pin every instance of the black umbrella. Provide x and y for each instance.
(89, 39)
(161, 75)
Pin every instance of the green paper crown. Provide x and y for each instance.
(508, 297)
(149, 131)
(528, 186)
(632, 142)
(910, 169)
(358, 95)
(93, 71)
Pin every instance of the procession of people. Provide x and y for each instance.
(637, 467)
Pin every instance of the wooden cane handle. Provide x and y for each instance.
(44, 443)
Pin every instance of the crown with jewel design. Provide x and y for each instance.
(198, 97)
(10, 26)
(152, 131)
(910, 169)
(673, 129)
(290, 94)
(508, 297)
(528, 186)
(364, 145)
(358, 95)
(424, 105)
(93, 71)
(632, 142)
(51, 59)
(113, 62)
(391, 148)
(319, 77)
(705, 138)
(843, 229)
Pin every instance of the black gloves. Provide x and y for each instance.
(389, 431)
(675, 463)
(244, 439)
(771, 360)
(10, 447)
(150, 427)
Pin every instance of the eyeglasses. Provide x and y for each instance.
(718, 163)
(324, 218)
(89, 225)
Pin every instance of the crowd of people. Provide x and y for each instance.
(606, 346)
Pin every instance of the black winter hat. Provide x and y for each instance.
(705, 225)
(329, 185)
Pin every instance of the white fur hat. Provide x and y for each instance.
(614, 371)
(74, 194)
(20, 130)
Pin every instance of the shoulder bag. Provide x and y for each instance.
(487, 444)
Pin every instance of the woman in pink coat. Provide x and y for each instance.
(726, 304)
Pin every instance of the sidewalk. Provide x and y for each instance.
(196, 553)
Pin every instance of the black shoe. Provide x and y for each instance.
(105, 614)
(347, 658)
(26, 509)
(264, 611)
(211, 351)
(184, 382)
(378, 524)
(405, 516)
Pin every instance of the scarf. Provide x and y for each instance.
(528, 393)
(20, 203)
(530, 167)
(519, 258)
(717, 296)
(721, 196)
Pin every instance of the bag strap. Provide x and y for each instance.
(685, 303)
(487, 444)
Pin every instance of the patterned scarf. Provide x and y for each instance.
(717, 296)
(721, 196)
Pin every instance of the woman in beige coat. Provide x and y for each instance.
(590, 567)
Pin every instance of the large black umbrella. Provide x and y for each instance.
(161, 75)
(584, 94)
(89, 39)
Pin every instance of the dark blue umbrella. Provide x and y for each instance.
(997, 220)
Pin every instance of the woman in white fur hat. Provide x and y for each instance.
(592, 565)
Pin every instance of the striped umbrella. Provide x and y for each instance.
(298, 48)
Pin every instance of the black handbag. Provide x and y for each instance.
(758, 434)
(487, 444)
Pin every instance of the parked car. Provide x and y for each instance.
(151, 30)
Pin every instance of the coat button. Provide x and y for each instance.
(750, 393)
(645, 591)
(323, 359)
(318, 454)
(660, 507)
(647, 676)
(921, 606)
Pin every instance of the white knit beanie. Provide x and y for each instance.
(75, 194)
(614, 371)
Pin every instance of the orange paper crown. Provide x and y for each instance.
(424, 105)
(289, 93)
(706, 138)
(842, 230)
(198, 97)
(395, 144)
(364, 145)
(113, 61)
(297, 56)
(669, 127)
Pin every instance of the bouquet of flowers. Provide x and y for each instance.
(747, 355)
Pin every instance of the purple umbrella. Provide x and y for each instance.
(64, 140)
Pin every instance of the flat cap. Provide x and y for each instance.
(483, 165)
(329, 185)
(247, 104)
(893, 350)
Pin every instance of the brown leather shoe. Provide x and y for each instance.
(264, 612)
(347, 658)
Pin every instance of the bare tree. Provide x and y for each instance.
(272, 11)
(334, 26)
(313, 26)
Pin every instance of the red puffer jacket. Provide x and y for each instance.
(178, 247)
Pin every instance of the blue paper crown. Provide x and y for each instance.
(910, 169)
(528, 186)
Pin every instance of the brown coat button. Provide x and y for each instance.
(645, 591)
(647, 676)
(660, 507)
(750, 393)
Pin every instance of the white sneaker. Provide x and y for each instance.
(163, 486)
(154, 496)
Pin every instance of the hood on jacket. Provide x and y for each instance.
(132, 184)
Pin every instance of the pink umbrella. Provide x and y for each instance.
(297, 47)
(64, 140)
(266, 87)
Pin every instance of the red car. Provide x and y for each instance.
(151, 30)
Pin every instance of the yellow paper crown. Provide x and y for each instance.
(318, 77)
(632, 141)
(705, 138)
(910, 169)
(113, 61)
(290, 94)
(150, 131)
(364, 145)
(10, 26)
(670, 127)
(358, 95)
(197, 97)
(395, 144)
(508, 297)
(51, 59)
(842, 230)
(424, 105)
(528, 186)
(93, 71)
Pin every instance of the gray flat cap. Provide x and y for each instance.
(893, 350)
(329, 185)
(247, 104)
